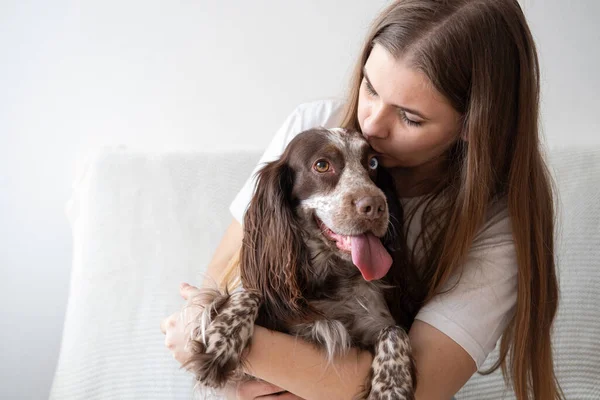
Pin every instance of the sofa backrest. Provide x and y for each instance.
(577, 326)
(142, 223)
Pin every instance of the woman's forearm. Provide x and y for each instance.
(301, 368)
(230, 243)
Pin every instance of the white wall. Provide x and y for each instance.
(568, 39)
(195, 75)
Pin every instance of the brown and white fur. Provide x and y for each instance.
(296, 279)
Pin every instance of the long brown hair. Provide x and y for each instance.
(481, 56)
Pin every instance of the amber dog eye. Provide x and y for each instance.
(321, 166)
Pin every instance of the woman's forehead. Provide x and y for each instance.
(399, 84)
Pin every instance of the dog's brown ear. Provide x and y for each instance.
(273, 252)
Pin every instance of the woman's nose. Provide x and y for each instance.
(376, 124)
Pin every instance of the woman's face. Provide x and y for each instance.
(402, 115)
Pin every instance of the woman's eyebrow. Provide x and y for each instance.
(406, 109)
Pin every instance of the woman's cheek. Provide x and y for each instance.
(361, 114)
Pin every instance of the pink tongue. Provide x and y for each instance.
(369, 255)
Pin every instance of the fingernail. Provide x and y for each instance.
(183, 285)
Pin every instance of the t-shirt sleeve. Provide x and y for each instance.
(477, 311)
(324, 113)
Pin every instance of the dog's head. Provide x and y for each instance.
(322, 198)
(336, 199)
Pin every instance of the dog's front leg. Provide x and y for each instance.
(393, 372)
(223, 335)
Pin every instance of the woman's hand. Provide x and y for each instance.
(177, 328)
(257, 390)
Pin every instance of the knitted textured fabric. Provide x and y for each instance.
(576, 337)
(144, 222)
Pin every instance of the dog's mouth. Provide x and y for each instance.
(343, 242)
(367, 252)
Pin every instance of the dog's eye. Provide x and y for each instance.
(321, 166)
(373, 163)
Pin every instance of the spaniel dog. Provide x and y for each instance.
(313, 265)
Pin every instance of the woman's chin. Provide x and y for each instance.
(389, 162)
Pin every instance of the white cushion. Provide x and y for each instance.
(142, 223)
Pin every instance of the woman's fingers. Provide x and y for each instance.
(175, 338)
(167, 323)
(170, 322)
(256, 389)
(187, 290)
(178, 326)
(280, 396)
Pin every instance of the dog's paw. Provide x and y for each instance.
(393, 372)
(218, 343)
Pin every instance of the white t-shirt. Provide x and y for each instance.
(476, 312)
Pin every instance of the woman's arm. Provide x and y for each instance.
(299, 367)
(443, 366)
(229, 245)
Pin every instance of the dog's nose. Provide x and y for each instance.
(371, 207)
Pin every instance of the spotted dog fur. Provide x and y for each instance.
(393, 369)
(296, 280)
(218, 343)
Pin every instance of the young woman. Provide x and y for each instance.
(447, 92)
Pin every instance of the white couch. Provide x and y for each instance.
(144, 222)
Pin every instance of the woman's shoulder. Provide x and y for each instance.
(496, 228)
(485, 287)
(325, 113)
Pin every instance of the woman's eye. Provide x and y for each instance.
(321, 166)
(373, 163)
(369, 88)
(408, 120)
